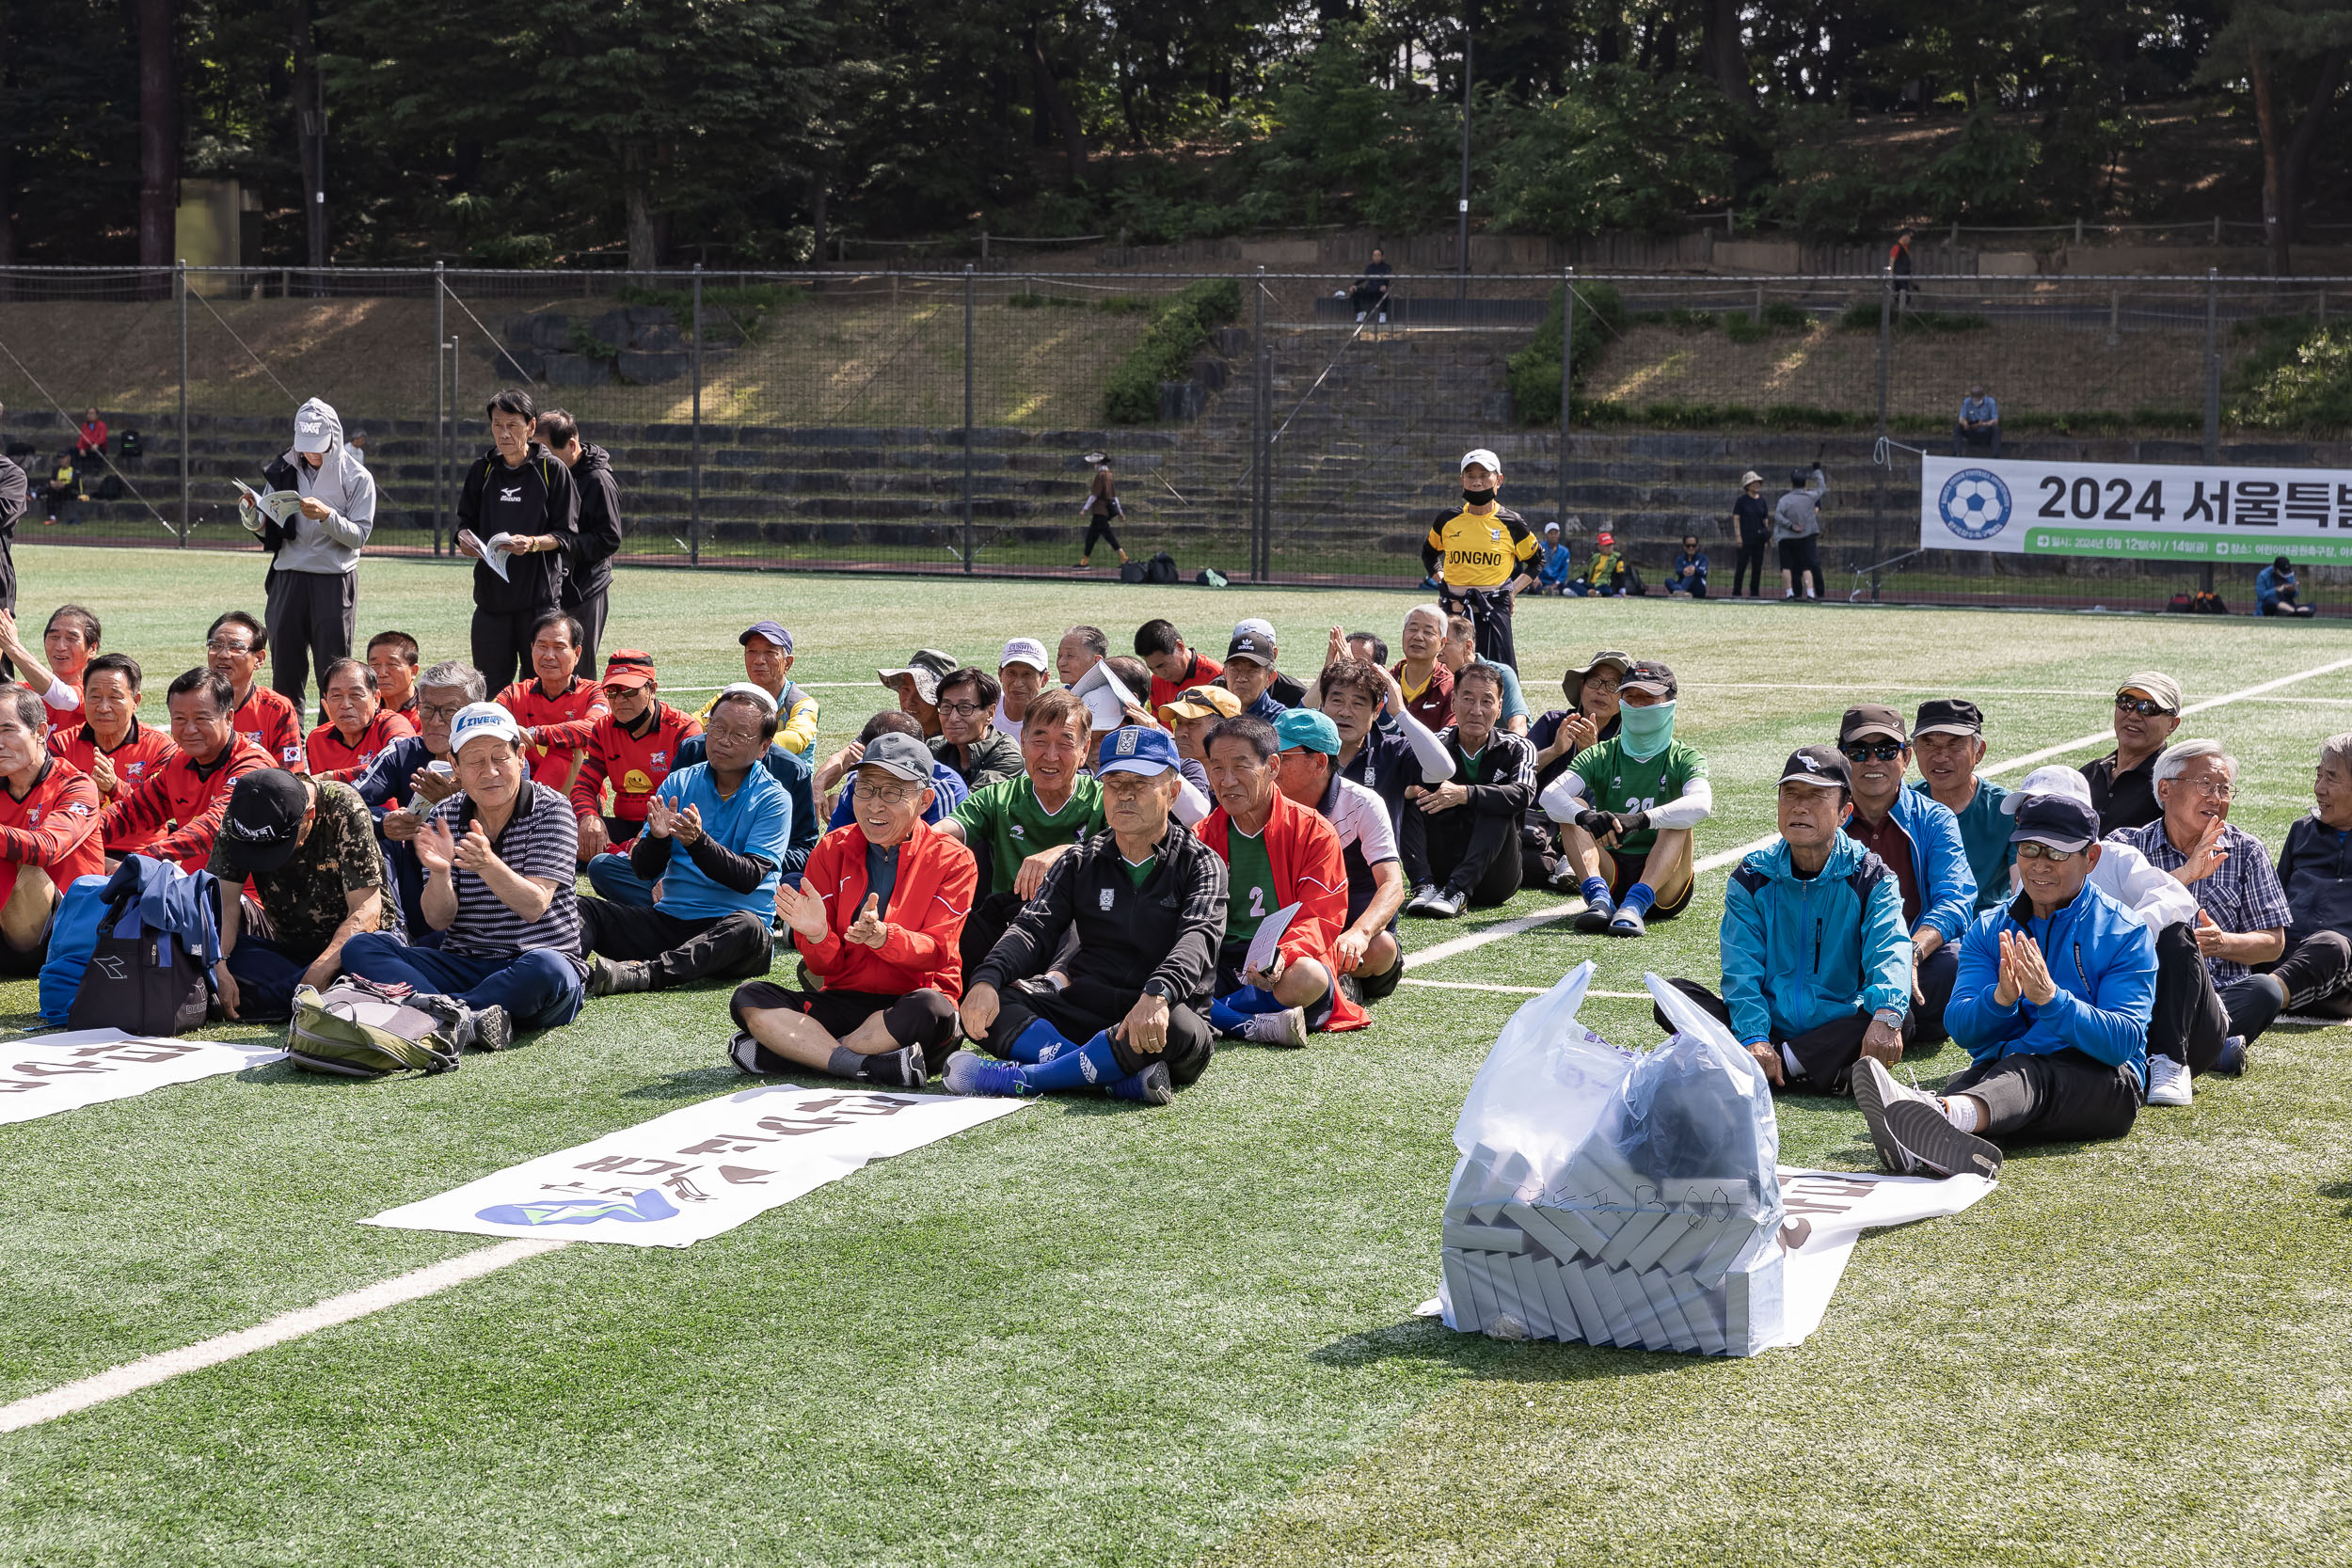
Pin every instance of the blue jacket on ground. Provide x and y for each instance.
(2102, 962)
(1800, 952)
(1939, 862)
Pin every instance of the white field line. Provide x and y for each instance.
(1524, 991)
(151, 1370)
(1455, 946)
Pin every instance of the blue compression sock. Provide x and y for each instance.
(1092, 1065)
(1228, 1013)
(1040, 1042)
(1639, 897)
(1595, 893)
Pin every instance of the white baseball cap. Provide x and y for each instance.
(1024, 650)
(476, 719)
(759, 694)
(2056, 778)
(1483, 458)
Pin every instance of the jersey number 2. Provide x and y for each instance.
(1256, 903)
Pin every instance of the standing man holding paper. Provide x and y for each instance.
(519, 508)
(313, 585)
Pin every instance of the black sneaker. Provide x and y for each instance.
(1874, 1090)
(896, 1070)
(600, 972)
(492, 1029)
(1151, 1086)
(1926, 1136)
(745, 1053)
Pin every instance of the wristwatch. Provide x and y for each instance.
(1158, 987)
(1889, 1017)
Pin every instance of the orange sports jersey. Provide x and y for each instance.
(144, 751)
(565, 722)
(271, 724)
(333, 757)
(55, 827)
(636, 765)
(192, 801)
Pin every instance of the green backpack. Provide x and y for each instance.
(361, 1029)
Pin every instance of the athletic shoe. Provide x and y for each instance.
(1359, 315)
(1352, 989)
(1151, 1086)
(2168, 1082)
(2231, 1062)
(1287, 1027)
(1418, 903)
(1926, 1136)
(898, 1070)
(1874, 1090)
(969, 1072)
(745, 1052)
(1787, 593)
(1595, 916)
(1564, 879)
(608, 979)
(1628, 922)
(1444, 904)
(493, 1030)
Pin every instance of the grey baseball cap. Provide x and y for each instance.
(899, 755)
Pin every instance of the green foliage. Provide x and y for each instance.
(2304, 385)
(586, 342)
(1865, 318)
(1779, 317)
(1534, 370)
(1114, 305)
(1629, 152)
(1165, 353)
(1993, 171)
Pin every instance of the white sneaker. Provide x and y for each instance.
(2168, 1082)
(1287, 1027)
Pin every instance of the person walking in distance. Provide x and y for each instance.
(1751, 524)
(1797, 530)
(587, 554)
(1101, 506)
(311, 594)
(521, 497)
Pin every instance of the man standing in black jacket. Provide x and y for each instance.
(520, 491)
(16, 494)
(588, 554)
(1146, 901)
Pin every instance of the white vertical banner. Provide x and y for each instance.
(2155, 512)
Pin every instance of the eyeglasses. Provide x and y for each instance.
(2145, 707)
(890, 794)
(2045, 852)
(2209, 788)
(1885, 751)
(734, 736)
(440, 710)
(961, 710)
(222, 645)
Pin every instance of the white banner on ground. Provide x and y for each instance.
(48, 1073)
(700, 1171)
(1826, 1211)
(2185, 511)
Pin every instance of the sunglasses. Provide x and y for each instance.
(1885, 751)
(2045, 852)
(2145, 707)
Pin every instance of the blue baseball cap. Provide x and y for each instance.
(1308, 728)
(773, 631)
(1136, 749)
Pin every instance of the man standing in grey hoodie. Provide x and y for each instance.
(314, 582)
(1797, 531)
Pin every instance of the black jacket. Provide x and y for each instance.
(1165, 934)
(548, 502)
(589, 553)
(16, 495)
(2315, 868)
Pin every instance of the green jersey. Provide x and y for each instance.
(1614, 781)
(1249, 885)
(1006, 819)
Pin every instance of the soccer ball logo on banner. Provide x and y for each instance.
(1975, 503)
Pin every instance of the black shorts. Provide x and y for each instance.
(1626, 870)
(925, 1018)
(1372, 988)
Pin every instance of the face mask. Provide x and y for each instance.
(1477, 498)
(1645, 731)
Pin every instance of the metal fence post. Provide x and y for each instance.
(1568, 384)
(1886, 353)
(968, 310)
(182, 279)
(694, 482)
(1262, 440)
(441, 400)
(2213, 376)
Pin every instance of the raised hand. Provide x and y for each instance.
(436, 848)
(867, 930)
(802, 909)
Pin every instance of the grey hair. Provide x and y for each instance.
(2337, 750)
(2177, 757)
(1436, 609)
(456, 671)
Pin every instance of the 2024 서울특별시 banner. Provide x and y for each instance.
(2168, 511)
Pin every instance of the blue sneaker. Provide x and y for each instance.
(1628, 922)
(969, 1072)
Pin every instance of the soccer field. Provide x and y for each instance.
(1095, 1333)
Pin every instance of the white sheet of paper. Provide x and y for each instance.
(1106, 697)
(48, 1073)
(1270, 937)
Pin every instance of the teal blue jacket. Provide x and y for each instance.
(1802, 951)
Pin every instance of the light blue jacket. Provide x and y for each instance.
(1939, 864)
(1802, 951)
(2102, 962)
(2268, 585)
(1556, 566)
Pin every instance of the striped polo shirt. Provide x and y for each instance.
(540, 841)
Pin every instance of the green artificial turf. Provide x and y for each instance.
(1089, 1333)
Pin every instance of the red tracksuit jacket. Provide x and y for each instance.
(193, 803)
(333, 757)
(572, 718)
(1308, 871)
(55, 827)
(927, 904)
(636, 765)
(271, 723)
(142, 755)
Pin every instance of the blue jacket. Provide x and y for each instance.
(1939, 864)
(2268, 585)
(789, 768)
(2102, 962)
(1556, 566)
(1802, 951)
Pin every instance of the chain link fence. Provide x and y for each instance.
(1287, 427)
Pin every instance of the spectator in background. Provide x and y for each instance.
(313, 591)
(1019, 827)
(1079, 648)
(588, 553)
(16, 499)
(89, 441)
(235, 649)
(1899, 264)
(1175, 667)
(1366, 953)
(64, 490)
(1099, 508)
(395, 657)
(518, 489)
(1979, 423)
(1460, 841)
(1459, 650)
(1366, 646)
(1607, 576)
(357, 442)
(175, 814)
(557, 707)
(413, 775)
(1628, 809)
(358, 729)
(1481, 556)
(2315, 866)
(1421, 675)
(2275, 591)
(1552, 577)
(967, 742)
(1918, 838)
(635, 747)
(1385, 759)
(307, 847)
(1021, 673)
(1283, 689)
(1751, 525)
(916, 687)
(1188, 720)
(2123, 782)
(110, 744)
(1689, 569)
(1560, 737)
(947, 790)
(66, 644)
(768, 664)
(1797, 532)
(1370, 293)
(1250, 675)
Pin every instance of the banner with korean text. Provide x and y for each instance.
(48, 1073)
(2184, 511)
(697, 1172)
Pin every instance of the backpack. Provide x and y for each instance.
(2208, 603)
(1131, 571)
(140, 978)
(2181, 604)
(110, 488)
(1210, 578)
(1161, 569)
(71, 936)
(365, 1029)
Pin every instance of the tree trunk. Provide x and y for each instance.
(1049, 94)
(636, 182)
(2274, 160)
(2298, 153)
(159, 137)
(310, 135)
(1724, 52)
(818, 192)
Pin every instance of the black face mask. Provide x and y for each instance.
(1477, 498)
